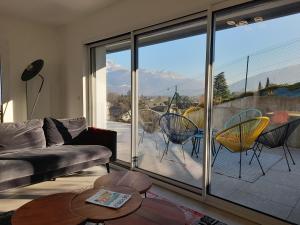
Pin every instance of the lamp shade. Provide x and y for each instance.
(32, 70)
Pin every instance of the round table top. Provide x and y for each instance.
(49, 210)
(97, 213)
(139, 181)
(153, 212)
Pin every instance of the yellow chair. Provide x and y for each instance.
(241, 137)
(196, 115)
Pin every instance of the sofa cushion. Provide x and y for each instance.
(22, 135)
(38, 161)
(63, 131)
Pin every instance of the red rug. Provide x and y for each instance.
(192, 217)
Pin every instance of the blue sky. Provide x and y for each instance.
(271, 44)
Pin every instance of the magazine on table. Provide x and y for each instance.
(109, 198)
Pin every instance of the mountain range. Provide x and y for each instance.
(285, 75)
(153, 83)
(162, 83)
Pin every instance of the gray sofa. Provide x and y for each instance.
(40, 150)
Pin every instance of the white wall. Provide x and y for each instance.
(20, 43)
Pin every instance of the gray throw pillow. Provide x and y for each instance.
(63, 131)
(21, 135)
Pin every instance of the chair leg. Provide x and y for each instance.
(254, 150)
(155, 139)
(251, 157)
(290, 154)
(183, 153)
(240, 171)
(287, 161)
(107, 167)
(213, 146)
(216, 156)
(198, 147)
(194, 147)
(165, 151)
(141, 138)
(260, 150)
(259, 162)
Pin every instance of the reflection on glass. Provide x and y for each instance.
(113, 94)
(171, 90)
(256, 113)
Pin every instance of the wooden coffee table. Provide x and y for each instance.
(49, 210)
(153, 212)
(96, 213)
(139, 181)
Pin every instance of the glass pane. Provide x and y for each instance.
(113, 94)
(256, 113)
(171, 87)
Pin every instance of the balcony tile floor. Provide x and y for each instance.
(277, 193)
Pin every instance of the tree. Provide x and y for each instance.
(220, 87)
(267, 83)
(259, 86)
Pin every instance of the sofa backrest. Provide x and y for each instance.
(63, 131)
(21, 135)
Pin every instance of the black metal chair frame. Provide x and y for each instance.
(282, 138)
(240, 152)
(143, 124)
(177, 141)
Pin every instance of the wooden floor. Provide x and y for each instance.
(14, 198)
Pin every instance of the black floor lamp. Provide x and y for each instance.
(30, 72)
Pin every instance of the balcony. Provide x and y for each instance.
(276, 192)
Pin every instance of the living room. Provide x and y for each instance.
(116, 74)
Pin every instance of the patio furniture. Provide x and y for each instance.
(241, 137)
(149, 121)
(240, 117)
(178, 130)
(196, 115)
(278, 137)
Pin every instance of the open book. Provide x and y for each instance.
(109, 198)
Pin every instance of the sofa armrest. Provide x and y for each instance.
(95, 136)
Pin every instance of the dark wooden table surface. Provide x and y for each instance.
(153, 212)
(96, 213)
(48, 210)
(139, 181)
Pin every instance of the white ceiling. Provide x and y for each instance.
(53, 12)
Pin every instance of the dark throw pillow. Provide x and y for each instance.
(63, 131)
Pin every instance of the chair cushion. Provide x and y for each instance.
(37, 161)
(63, 131)
(22, 135)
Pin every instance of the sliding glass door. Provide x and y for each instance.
(171, 68)
(255, 102)
(257, 91)
(112, 94)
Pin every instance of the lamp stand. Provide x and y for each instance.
(37, 96)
